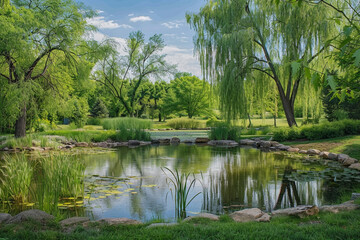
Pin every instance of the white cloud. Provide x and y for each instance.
(141, 19)
(125, 26)
(184, 59)
(101, 23)
(131, 14)
(172, 25)
(100, 37)
(99, 11)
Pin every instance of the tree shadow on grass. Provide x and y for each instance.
(353, 150)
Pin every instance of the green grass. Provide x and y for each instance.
(186, 123)
(349, 145)
(126, 123)
(182, 135)
(83, 135)
(345, 225)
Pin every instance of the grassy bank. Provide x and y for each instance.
(345, 225)
(348, 145)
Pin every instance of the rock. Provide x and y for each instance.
(342, 157)
(355, 196)
(346, 206)
(155, 141)
(282, 147)
(264, 218)
(74, 221)
(295, 150)
(247, 142)
(175, 140)
(249, 215)
(222, 143)
(69, 146)
(313, 152)
(36, 149)
(355, 166)
(303, 152)
(5, 149)
(134, 143)
(162, 225)
(118, 221)
(332, 156)
(324, 154)
(165, 141)
(202, 140)
(31, 215)
(203, 215)
(4, 217)
(142, 143)
(81, 144)
(274, 143)
(300, 211)
(265, 144)
(349, 161)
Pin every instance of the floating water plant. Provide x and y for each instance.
(182, 184)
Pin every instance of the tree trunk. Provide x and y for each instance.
(288, 109)
(274, 120)
(20, 125)
(159, 117)
(250, 124)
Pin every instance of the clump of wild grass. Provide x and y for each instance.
(131, 134)
(187, 123)
(182, 185)
(16, 175)
(126, 123)
(225, 132)
(19, 142)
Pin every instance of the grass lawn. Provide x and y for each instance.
(348, 145)
(345, 225)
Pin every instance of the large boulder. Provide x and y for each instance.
(349, 161)
(247, 142)
(346, 206)
(4, 217)
(313, 152)
(303, 152)
(342, 158)
(294, 150)
(282, 147)
(118, 221)
(134, 143)
(355, 166)
(175, 140)
(203, 215)
(33, 215)
(202, 140)
(250, 215)
(299, 211)
(264, 144)
(332, 156)
(74, 221)
(324, 154)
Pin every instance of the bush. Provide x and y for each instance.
(94, 121)
(126, 123)
(187, 123)
(320, 131)
(225, 132)
(213, 122)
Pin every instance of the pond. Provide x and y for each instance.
(133, 183)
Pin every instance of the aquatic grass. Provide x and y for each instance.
(131, 134)
(19, 142)
(16, 175)
(182, 185)
(185, 123)
(84, 136)
(225, 132)
(61, 177)
(126, 123)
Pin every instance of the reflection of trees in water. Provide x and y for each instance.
(250, 179)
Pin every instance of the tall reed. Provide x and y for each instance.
(187, 123)
(182, 186)
(126, 123)
(16, 175)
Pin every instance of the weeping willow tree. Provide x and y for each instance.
(235, 39)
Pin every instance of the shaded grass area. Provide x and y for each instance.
(345, 225)
(349, 145)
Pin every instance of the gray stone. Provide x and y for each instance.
(81, 144)
(324, 154)
(313, 152)
(31, 215)
(355, 166)
(265, 144)
(165, 141)
(295, 150)
(162, 225)
(203, 215)
(175, 140)
(299, 211)
(74, 221)
(142, 143)
(250, 215)
(202, 140)
(349, 161)
(118, 221)
(274, 143)
(247, 142)
(222, 143)
(332, 156)
(282, 147)
(346, 206)
(134, 143)
(303, 152)
(342, 158)
(4, 217)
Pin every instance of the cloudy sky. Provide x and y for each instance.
(117, 18)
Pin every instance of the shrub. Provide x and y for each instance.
(94, 121)
(187, 123)
(225, 132)
(212, 122)
(319, 131)
(126, 123)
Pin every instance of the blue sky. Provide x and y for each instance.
(117, 18)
